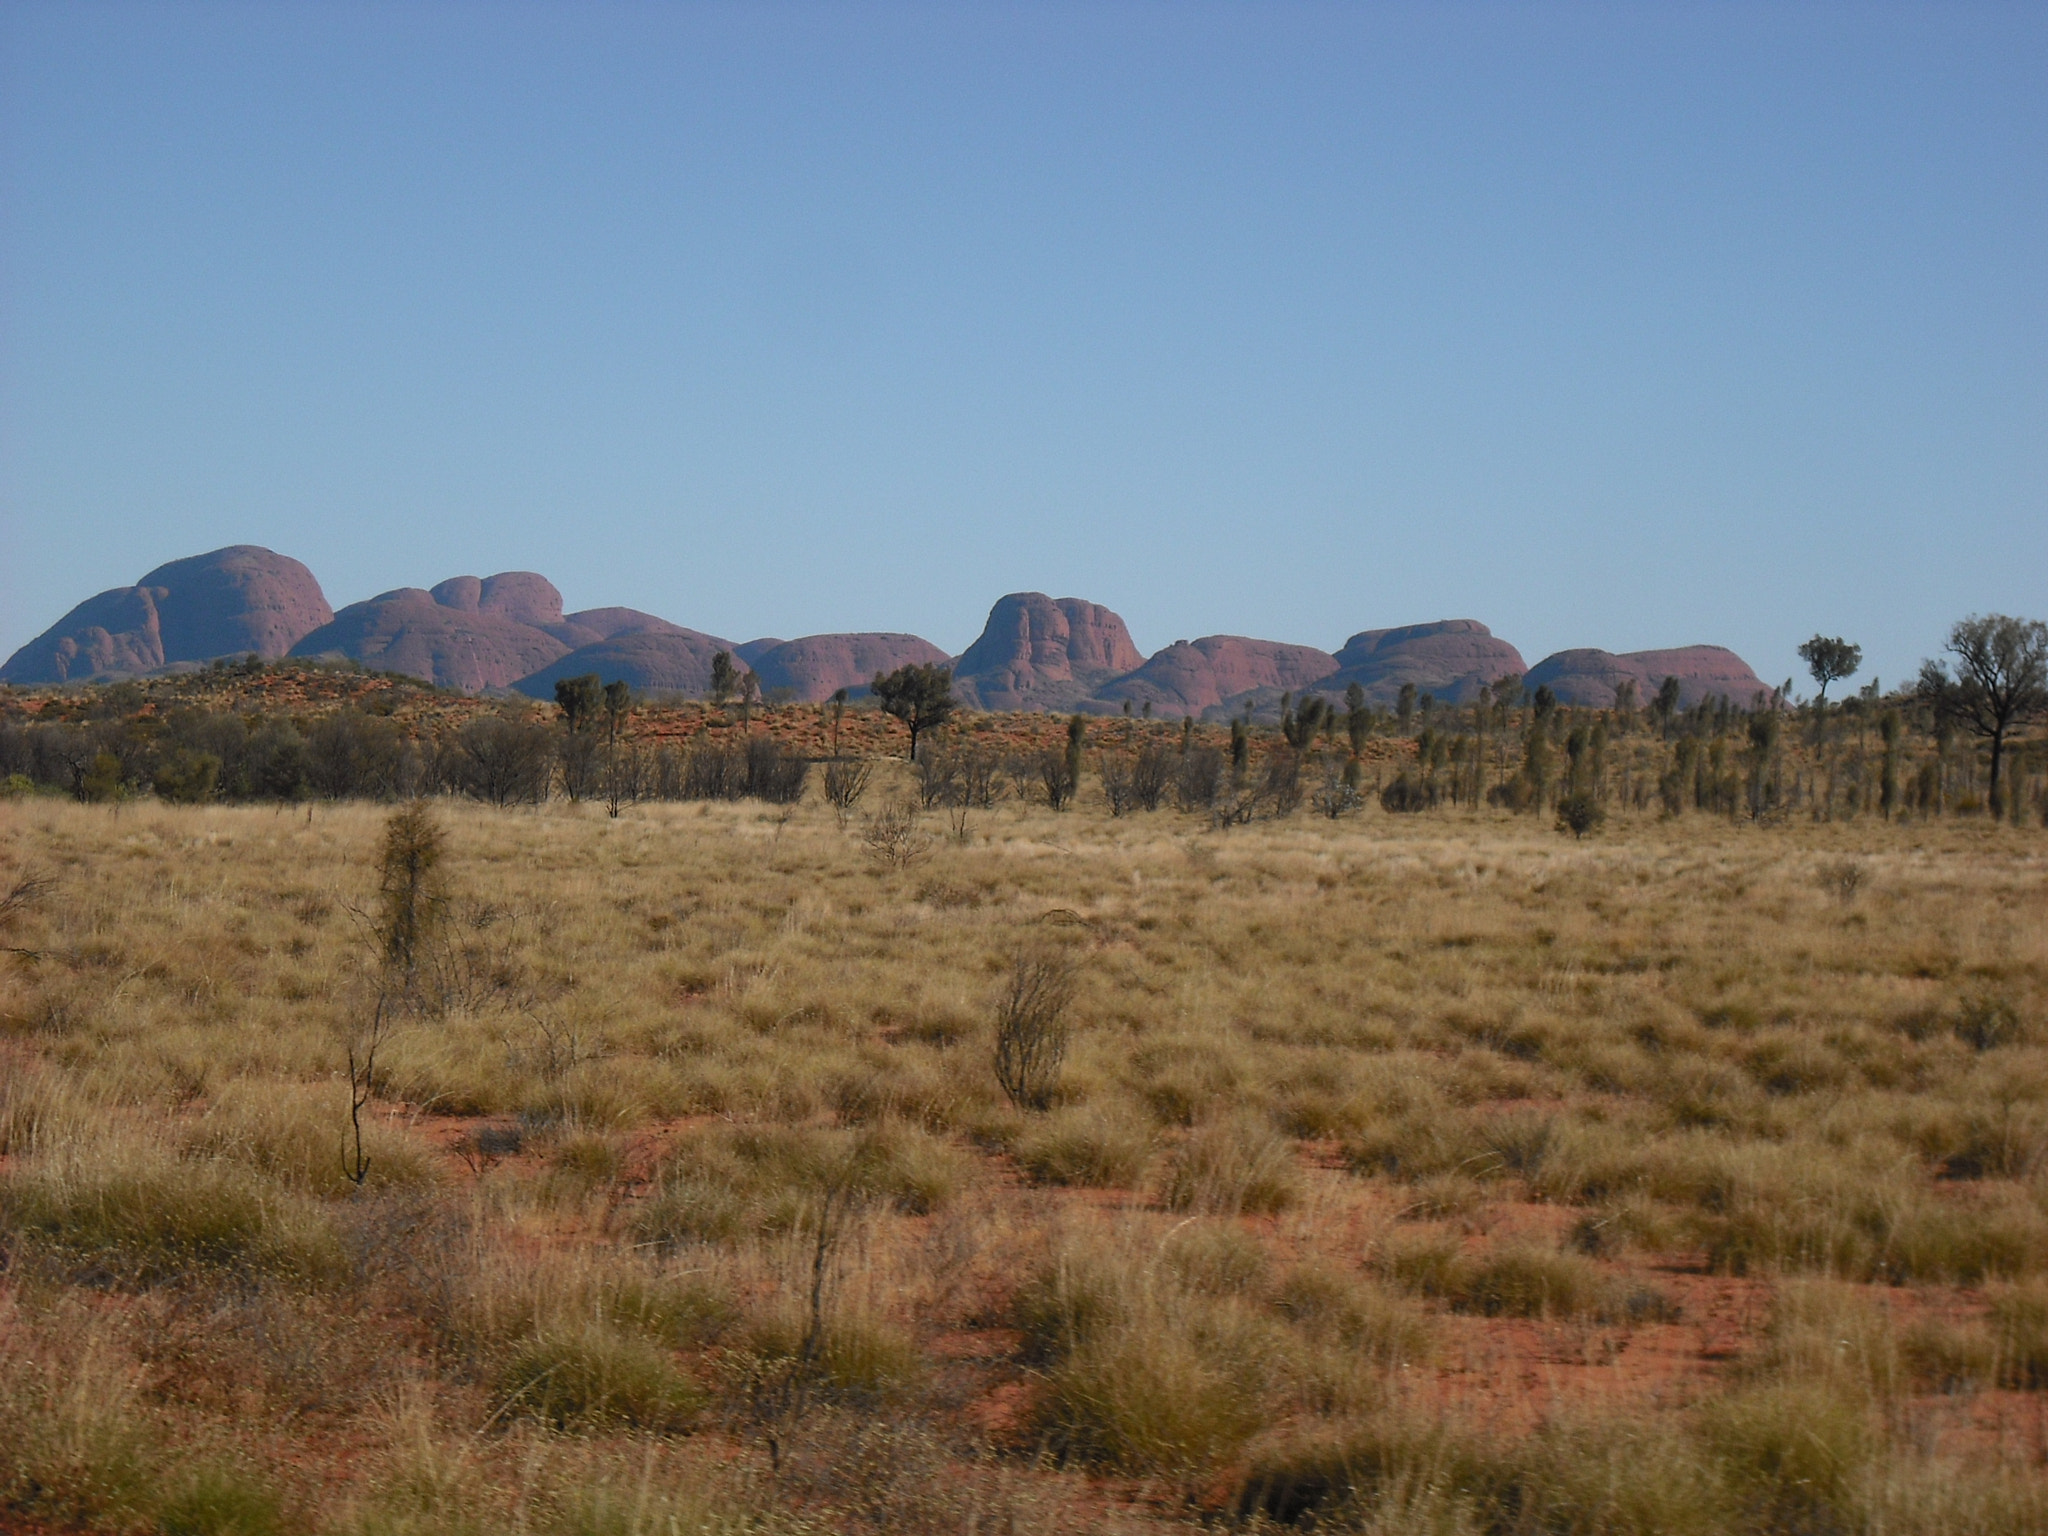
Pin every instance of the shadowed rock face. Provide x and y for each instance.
(1191, 676)
(668, 660)
(226, 603)
(1038, 653)
(1588, 677)
(817, 666)
(1452, 659)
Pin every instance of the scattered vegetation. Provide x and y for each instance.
(1144, 1154)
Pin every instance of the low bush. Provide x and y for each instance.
(1233, 1166)
(1519, 1282)
(136, 1215)
(594, 1375)
(1087, 1146)
(724, 1182)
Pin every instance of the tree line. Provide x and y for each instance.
(1953, 741)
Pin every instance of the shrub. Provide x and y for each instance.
(857, 1355)
(1518, 1281)
(288, 1132)
(220, 1500)
(133, 1216)
(1579, 813)
(2019, 1325)
(1799, 1450)
(1349, 1309)
(1232, 1166)
(1149, 1399)
(722, 1183)
(1088, 1147)
(1031, 1026)
(596, 1375)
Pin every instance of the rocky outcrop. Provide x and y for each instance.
(1453, 659)
(817, 666)
(594, 624)
(750, 651)
(1192, 676)
(1589, 677)
(451, 637)
(227, 603)
(668, 660)
(1036, 652)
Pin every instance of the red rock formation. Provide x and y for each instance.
(1191, 676)
(446, 643)
(226, 603)
(1588, 677)
(1452, 659)
(1035, 653)
(817, 666)
(668, 660)
(603, 623)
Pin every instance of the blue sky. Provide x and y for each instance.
(1620, 325)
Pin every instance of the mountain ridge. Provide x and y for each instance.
(509, 632)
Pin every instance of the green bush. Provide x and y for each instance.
(220, 1500)
(139, 1218)
(1085, 1147)
(597, 1375)
(1234, 1166)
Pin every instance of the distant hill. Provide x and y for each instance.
(817, 666)
(1037, 652)
(1453, 659)
(1190, 677)
(666, 660)
(227, 603)
(509, 631)
(1588, 677)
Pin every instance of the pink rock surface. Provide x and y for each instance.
(1452, 659)
(1191, 676)
(445, 643)
(228, 602)
(817, 666)
(670, 660)
(1036, 652)
(1588, 677)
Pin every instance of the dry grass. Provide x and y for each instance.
(1412, 1173)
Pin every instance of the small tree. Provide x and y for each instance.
(1357, 718)
(1031, 1027)
(2000, 681)
(1404, 705)
(408, 892)
(618, 698)
(1579, 813)
(1830, 660)
(920, 694)
(845, 783)
(579, 699)
(1664, 708)
(725, 677)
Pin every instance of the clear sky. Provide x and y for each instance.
(1620, 325)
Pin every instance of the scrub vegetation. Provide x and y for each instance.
(1038, 1162)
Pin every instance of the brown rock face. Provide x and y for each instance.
(1452, 659)
(1588, 678)
(817, 666)
(668, 660)
(463, 634)
(1038, 653)
(1191, 676)
(226, 603)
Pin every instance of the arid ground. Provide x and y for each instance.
(1403, 1173)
